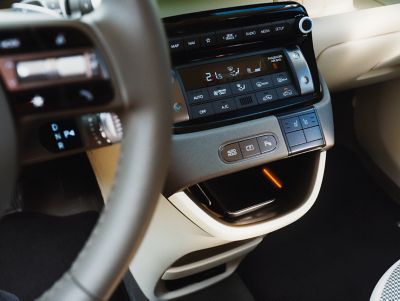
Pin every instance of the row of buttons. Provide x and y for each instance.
(248, 148)
(244, 101)
(232, 36)
(63, 97)
(302, 131)
(23, 41)
(239, 87)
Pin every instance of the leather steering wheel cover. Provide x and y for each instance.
(8, 154)
(130, 33)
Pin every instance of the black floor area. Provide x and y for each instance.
(36, 249)
(338, 250)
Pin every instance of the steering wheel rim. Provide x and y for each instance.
(130, 38)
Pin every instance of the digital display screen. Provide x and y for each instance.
(207, 75)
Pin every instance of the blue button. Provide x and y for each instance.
(291, 124)
(313, 134)
(309, 120)
(296, 138)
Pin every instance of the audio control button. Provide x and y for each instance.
(250, 33)
(264, 30)
(229, 37)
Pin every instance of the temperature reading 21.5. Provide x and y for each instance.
(210, 77)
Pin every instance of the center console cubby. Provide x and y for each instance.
(260, 193)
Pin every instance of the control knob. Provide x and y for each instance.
(305, 25)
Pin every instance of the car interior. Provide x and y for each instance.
(200, 150)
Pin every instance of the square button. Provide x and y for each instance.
(250, 33)
(176, 45)
(267, 143)
(291, 124)
(265, 30)
(280, 79)
(261, 83)
(202, 110)
(286, 92)
(208, 39)
(249, 148)
(241, 87)
(197, 96)
(266, 96)
(309, 120)
(313, 134)
(231, 152)
(296, 138)
(192, 43)
(227, 37)
(223, 106)
(219, 91)
(280, 27)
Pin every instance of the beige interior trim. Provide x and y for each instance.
(213, 261)
(225, 231)
(104, 163)
(377, 125)
(169, 237)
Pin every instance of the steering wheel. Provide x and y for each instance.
(129, 36)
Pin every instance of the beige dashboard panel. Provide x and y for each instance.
(358, 48)
(377, 124)
(361, 62)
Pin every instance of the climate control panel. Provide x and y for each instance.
(239, 63)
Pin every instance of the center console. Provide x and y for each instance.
(252, 123)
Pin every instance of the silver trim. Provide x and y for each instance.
(180, 110)
(301, 25)
(111, 127)
(250, 209)
(302, 72)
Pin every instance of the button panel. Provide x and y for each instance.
(302, 131)
(241, 94)
(248, 148)
(232, 36)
